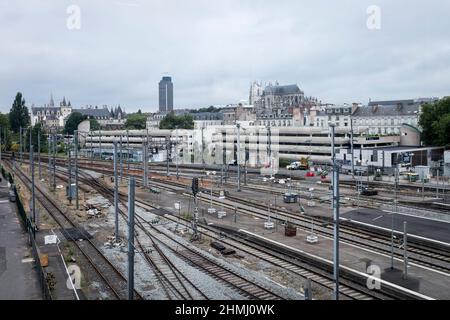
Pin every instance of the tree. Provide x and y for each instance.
(73, 121)
(209, 109)
(18, 115)
(34, 138)
(435, 122)
(442, 129)
(136, 121)
(5, 132)
(171, 121)
(94, 125)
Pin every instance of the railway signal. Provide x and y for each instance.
(194, 186)
(195, 190)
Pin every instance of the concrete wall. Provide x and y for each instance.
(409, 136)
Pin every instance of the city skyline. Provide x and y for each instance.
(216, 50)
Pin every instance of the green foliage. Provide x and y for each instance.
(442, 129)
(282, 163)
(171, 121)
(4, 120)
(209, 109)
(5, 132)
(136, 121)
(94, 124)
(73, 121)
(435, 123)
(18, 115)
(34, 138)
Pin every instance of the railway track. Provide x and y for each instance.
(436, 259)
(317, 272)
(164, 184)
(173, 281)
(349, 289)
(420, 252)
(115, 282)
(196, 258)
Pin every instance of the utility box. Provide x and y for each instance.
(290, 231)
(71, 191)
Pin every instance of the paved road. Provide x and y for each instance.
(18, 279)
(417, 226)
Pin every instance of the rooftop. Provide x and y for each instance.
(387, 110)
(282, 90)
(93, 112)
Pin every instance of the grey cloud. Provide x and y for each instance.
(214, 49)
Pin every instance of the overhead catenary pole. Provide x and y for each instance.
(203, 148)
(100, 142)
(128, 152)
(54, 162)
(405, 251)
(176, 150)
(147, 145)
(21, 144)
(76, 168)
(116, 196)
(335, 215)
(238, 157)
(307, 289)
(92, 147)
(70, 173)
(29, 149)
(393, 214)
(144, 162)
(269, 149)
(167, 155)
(437, 184)
(121, 158)
(33, 199)
(0, 144)
(49, 151)
(130, 281)
(352, 149)
(39, 154)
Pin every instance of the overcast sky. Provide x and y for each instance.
(214, 49)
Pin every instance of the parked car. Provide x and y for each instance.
(293, 166)
(232, 162)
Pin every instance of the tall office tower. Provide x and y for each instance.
(166, 95)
